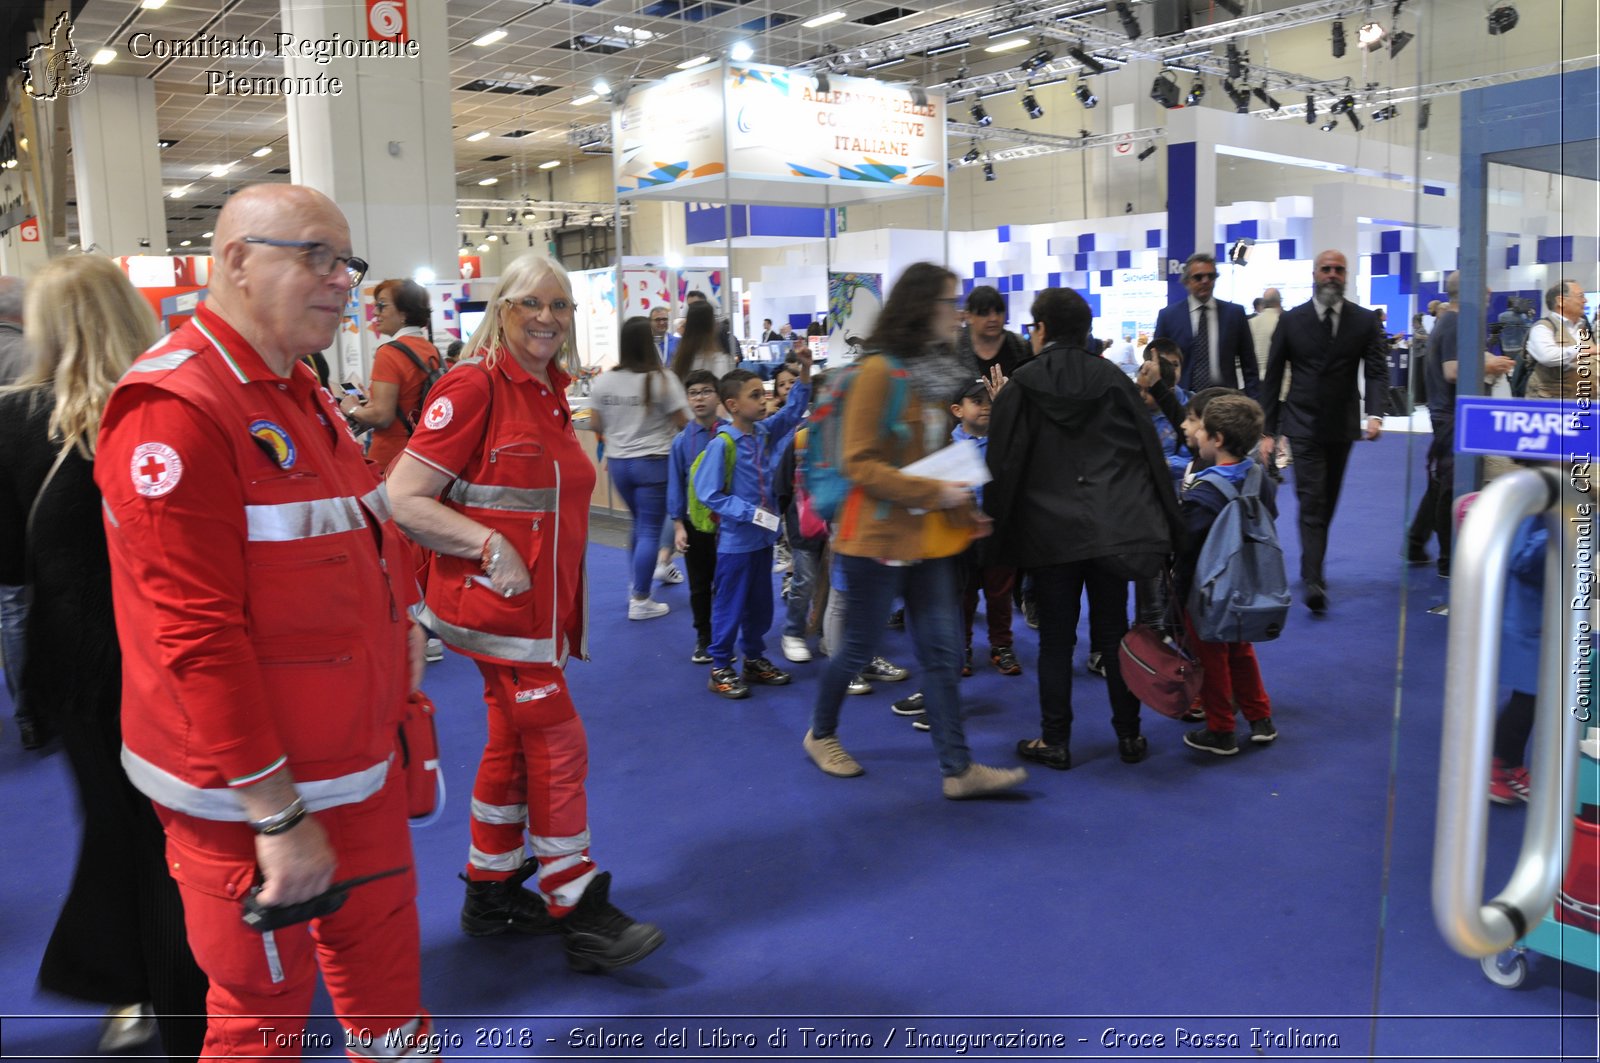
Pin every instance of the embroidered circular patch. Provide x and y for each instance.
(438, 414)
(156, 469)
(275, 441)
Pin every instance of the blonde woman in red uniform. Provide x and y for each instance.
(495, 482)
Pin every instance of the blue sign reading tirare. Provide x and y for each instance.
(1547, 429)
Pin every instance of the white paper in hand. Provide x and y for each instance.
(959, 463)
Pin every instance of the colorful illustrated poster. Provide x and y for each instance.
(708, 281)
(595, 330)
(643, 290)
(854, 300)
(669, 133)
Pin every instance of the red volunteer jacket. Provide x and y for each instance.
(261, 588)
(508, 442)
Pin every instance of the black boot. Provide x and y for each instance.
(600, 936)
(498, 907)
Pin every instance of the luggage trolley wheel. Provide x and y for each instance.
(1508, 969)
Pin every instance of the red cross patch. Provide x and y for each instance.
(439, 414)
(156, 469)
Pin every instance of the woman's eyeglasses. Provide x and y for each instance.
(319, 257)
(533, 304)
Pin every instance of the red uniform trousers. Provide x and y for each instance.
(996, 582)
(1231, 677)
(262, 984)
(533, 770)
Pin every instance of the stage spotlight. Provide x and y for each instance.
(1130, 21)
(1031, 105)
(1089, 61)
(1085, 97)
(971, 155)
(1398, 40)
(1240, 97)
(483, 222)
(1371, 35)
(1338, 38)
(1197, 92)
(988, 171)
(1235, 62)
(980, 115)
(1265, 97)
(1424, 115)
(1147, 152)
(822, 82)
(1502, 19)
(1311, 110)
(1344, 106)
(1355, 120)
(1240, 251)
(1330, 125)
(1038, 59)
(1383, 114)
(1164, 90)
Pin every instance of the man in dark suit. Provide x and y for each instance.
(1219, 354)
(1325, 343)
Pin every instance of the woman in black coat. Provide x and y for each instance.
(120, 938)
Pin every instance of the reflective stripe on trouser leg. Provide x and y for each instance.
(499, 809)
(416, 1039)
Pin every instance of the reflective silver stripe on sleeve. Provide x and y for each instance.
(511, 499)
(377, 503)
(222, 803)
(510, 814)
(288, 521)
(110, 516)
(505, 647)
(162, 362)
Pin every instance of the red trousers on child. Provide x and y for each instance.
(1232, 678)
(532, 776)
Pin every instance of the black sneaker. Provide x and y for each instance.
(1263, 731)
(764, 672)
(1096, 664)
(505, 906)
(1030, 613)
(897, 620)
(600, 936)
(726, 682)
(912, 706)
(1222, 744)
(921, 724)
(1005, 659)
(1416, 555)
(966, 664)
(701, 654)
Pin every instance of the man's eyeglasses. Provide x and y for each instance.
(319, 256)
(533, 304)
(1202, 276)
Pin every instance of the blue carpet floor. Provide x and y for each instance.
(1087, 915)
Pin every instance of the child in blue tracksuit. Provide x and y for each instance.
(746, 505)
(985, 574)
(699, 549)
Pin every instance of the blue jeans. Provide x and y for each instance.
(933, 617)
(642, 483)
(802, 589)
(13, 641)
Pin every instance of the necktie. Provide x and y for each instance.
(1327, 321)
(1200, 354)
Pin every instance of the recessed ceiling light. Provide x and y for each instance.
(1007, 45)
(185, 243)
(223, 170)
(104, 56)
(207, 236)
(633, 34)
(489, 181)
(551, 165)
(261, 152)
(690, 64)
(482, 134)
(602, 87)
(151, 5)
(823, 20)
(179, 193)
(490, 37)
(741, 52)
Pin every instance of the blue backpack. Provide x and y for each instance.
(823, 469)
(1241, 587)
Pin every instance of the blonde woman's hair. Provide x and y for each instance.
(86, 323)
(522, 274)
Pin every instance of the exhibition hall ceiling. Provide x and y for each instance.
(527, 89)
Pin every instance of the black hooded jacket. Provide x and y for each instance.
(1078, 469)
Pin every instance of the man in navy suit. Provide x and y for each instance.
(666, 342)
(1326, 343)
(1221, 353)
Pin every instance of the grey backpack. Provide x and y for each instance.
(1241, 588)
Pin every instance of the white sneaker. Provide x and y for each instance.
(668, 573)
(795, 649)
(434, 653)
(646, 609)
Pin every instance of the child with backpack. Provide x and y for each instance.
(736, 479)
(698, 547)
(1226, 435)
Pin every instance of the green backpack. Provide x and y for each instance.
(701, 517)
